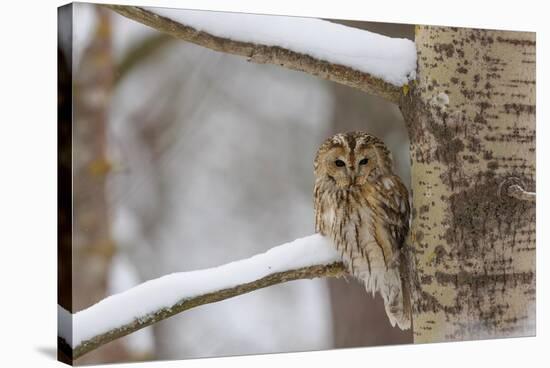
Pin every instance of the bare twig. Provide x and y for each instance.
(332, 270)
(513, 187)
(264, 54)
(519, 193)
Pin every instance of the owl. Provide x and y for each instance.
(363, 207)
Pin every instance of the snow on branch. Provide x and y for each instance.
(373, 63)
(158, 299)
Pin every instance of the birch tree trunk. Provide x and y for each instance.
(471, 121)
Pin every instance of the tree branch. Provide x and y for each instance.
(513, 187)
(265, 54)
(518, 192)
(155, 300)
(333, 270)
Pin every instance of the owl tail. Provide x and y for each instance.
(396, 295)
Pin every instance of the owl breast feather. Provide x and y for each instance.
(350, 227)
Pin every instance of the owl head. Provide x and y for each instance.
(352, 159)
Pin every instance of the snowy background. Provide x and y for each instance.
(210, 161)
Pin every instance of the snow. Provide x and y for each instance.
(146, 298)
(64, 324)
(123, 276)
(391, 59)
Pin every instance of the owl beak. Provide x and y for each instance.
(352, 178)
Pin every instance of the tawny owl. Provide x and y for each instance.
(363, 207)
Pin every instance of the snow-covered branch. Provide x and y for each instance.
(158, 299)
(373, 63)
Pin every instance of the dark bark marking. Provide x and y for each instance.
(445, 48)
(477, 281)
(519, 108)
(478, 212)
(516, 42)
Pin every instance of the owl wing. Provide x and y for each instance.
(391, 225)
(390, 204)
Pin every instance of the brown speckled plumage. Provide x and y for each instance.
(364, 208)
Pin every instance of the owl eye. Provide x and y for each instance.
(339, 163)
(363, 161)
